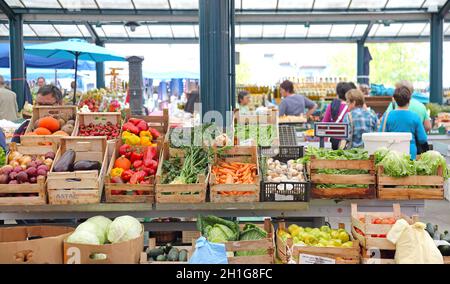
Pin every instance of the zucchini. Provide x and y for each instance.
(161, 258)
(183, 255)
(154, 252)
(172, 255)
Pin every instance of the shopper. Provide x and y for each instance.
(243, 102)
(403, 120)
(336, 111)
(40, 82)
(414, 105)
(365, 89)
(294, 104)
(71, 92)
(193, 98)
(8, 102)
(360, 119)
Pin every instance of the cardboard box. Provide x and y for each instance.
(15, 246)
(120, 253)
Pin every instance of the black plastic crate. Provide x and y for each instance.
(285, 191)
(282, 153)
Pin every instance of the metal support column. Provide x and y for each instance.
(436, 57)
(100, 70)
(215, 59)
(360, 62)
(17, 58)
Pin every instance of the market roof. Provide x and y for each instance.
(164, 21)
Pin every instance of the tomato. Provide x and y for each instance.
(385, 221)
(377, 221)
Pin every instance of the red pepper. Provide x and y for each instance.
(131, 128)
(126, 175)
(116, 192)
(135, 121)
(125, 150)
(155, 133)
(150, 153)
(149, 171)
(137, 164)
(142, 125)
(137, 177)
(136, 155)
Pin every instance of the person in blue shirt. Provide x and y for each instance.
(404, 120)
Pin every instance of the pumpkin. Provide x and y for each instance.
(50, 123)
(42, 131)
(60, 133)
(122, 163)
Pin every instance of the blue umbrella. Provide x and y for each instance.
(75, 49)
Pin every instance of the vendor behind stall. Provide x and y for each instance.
(243, 102)
(48, 95)
(403, 120)
(294, 104)
(360, 119)
(414, 105)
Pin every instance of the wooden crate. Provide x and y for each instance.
(243, 154)
(148, 191)
(81, 187)
(367, 192)
(188, 237)
(43, 111)
(269, 118)
(97, 118)
(160, 123)
(18, 190)
(267, 243)
(369, 229)
(376, 256)
(446, 259)
(152, 245)
(287, 251)
(391, 188)
(178, 193)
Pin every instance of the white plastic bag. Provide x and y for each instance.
(413, 244)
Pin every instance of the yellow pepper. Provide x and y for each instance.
(146, 133)
(126, 134)
(116, 172)
(131, 139)
(146, 141)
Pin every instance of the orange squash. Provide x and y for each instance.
(42, 131)
(50, 123)
(61, 133)
(122, 163)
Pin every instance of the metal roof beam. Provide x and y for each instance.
(93, 33)
(445, 9)
(238, 40)
(4, 7)
(192, 16)
(366, 32)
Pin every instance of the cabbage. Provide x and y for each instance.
(397, 165)
(102, 224)
(429, 163)
(124, 228)
(83, 237)
(252, 232)
(218, 234)
(94, 229)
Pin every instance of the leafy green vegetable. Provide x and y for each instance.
(252, 232)
(398, 165)
(171, 169)
(196, 161)
(429, 163)
(2, 157)
(264, 135)
(380, 154)
(328, 154)
(207, 225)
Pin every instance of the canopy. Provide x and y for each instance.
(32, 61)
